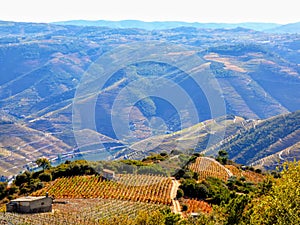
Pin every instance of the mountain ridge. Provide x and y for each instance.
(163, 25)
(168, 24)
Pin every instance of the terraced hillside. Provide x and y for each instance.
(265, 141)
(197, 138)
(20, 145)
(208, 167)
(270, 162)
(137, 188)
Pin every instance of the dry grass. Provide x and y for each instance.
(229, 65)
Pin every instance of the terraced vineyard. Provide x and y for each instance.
(196, 206)
(208, 167)
(138, 188)
(83, 211)
(249, 175)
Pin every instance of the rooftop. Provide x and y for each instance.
(108, 171)
(28, 199)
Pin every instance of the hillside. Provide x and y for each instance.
(265, 142)
(291, 28)
(218, 71)
(20, 146)
(251, 142)
(197, 137)
(207, 167)
(270, 162)
(144, 187)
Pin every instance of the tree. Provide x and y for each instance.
(170, 218)
(281, 204)
(180, 193)
(184, 208)
(45, 177)
(235, 209)
(23, 178)
(222, 157)
(44, 163)
(3, 190)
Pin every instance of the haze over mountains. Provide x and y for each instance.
(159, 25)
(41, 66)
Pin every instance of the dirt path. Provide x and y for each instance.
(176, 205)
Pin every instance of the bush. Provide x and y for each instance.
(258, 171)
(184, 208)
(3, 190)
(46, 177)
(202, 190)
(180, 193)
(164, 154)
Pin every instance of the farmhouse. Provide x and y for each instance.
(30, 204)
(108, 174)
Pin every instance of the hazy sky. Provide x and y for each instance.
(278, 11)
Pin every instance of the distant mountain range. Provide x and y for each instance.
(159, 25)
(41, 66)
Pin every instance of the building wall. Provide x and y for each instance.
(41, 205)
(108, 175)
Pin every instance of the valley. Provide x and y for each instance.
(246, 75)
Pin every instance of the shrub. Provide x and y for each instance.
(180, 193)
(45, 177)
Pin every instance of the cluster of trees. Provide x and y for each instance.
(219, 70)
(214, 190)
(29, 182)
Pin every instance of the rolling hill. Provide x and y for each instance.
(291, 28)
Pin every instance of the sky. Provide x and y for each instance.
(227, 11)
